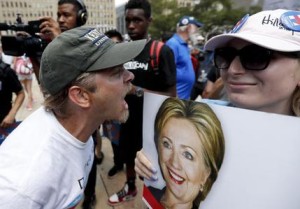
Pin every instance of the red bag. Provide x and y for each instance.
(23, 66)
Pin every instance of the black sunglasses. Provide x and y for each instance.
(252, 57)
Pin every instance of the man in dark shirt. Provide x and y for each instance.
(9, 84)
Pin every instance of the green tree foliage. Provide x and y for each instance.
(214, 14)
(220, 13)
(164, 17)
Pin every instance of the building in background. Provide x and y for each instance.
(120, 14)
(101, 13)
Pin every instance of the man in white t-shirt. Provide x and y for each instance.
(45, 162)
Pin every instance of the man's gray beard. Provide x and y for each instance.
(193, 38)
(124, 117)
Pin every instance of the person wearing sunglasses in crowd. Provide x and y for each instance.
(260, 66)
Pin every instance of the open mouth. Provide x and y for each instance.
(176, 178)
(125, 105)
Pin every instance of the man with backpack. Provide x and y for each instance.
(155, 71)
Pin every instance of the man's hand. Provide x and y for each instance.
(10, 117)
(49, 28)
(7, 121)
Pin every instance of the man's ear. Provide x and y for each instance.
(79, 96)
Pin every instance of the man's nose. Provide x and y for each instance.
(128, 76)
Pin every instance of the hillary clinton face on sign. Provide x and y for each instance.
(190, 147)
(181, 161)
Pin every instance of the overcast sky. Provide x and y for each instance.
(118, 2)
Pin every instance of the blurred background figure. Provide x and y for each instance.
(23, 67)
(115, 35)
(187, 30)
(197, 56)
(214, 86)
(9, 85)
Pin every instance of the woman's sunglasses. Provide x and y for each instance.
(252, 57)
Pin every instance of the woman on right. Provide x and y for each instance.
(260, 62)
(260, 66)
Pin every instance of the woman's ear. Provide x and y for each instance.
(79, 96)
(205, 175)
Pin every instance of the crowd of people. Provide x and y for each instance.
(90, 79)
